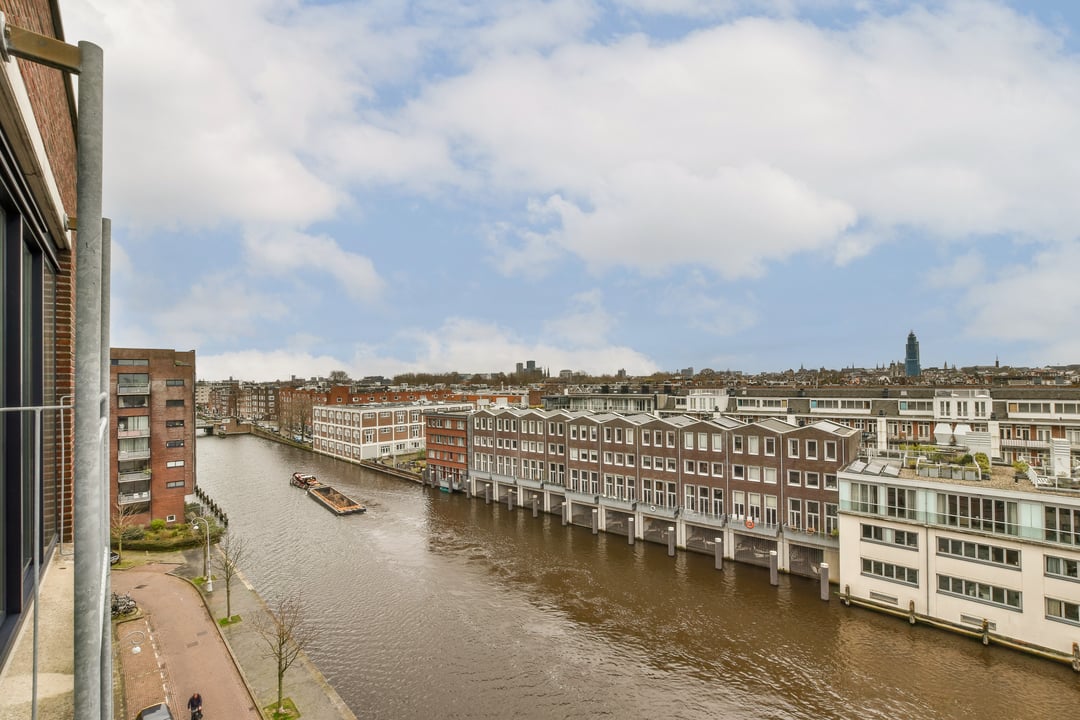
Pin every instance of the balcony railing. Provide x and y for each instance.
(133, 389)
(137, 497)
(135, 476)
(1016, 442)
(137, 433)
(133, 454)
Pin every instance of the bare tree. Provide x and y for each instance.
(123, 520)
(286, 632)
(231, 547)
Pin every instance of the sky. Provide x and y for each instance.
(399, 186)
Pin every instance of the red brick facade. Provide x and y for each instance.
(152, 432)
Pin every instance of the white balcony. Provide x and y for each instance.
(133, 389)
(1017, 443)
(133, 454)
(135, 476)
(130, 498)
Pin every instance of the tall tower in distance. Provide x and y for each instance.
(911, 356)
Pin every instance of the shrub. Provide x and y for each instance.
(157, 525)
(133, 533)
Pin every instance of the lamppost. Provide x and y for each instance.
(206, 557)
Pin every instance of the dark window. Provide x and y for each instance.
(174, 423)
(174, 403)
(129, 361)
(174, 382)
(174, 484)
(174, 443)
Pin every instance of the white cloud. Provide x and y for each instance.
(968, 270)
(218, 307)
(1035, 303)
(751, 141)
(284, 252)
(469, 345)
(696, 302)
(585, 324)
(259, 366)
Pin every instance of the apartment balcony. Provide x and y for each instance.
(133, 454)
(706, 519)
(134, 476)
(135, 497)
(134, 389)
(139, 433)
(1017, 443)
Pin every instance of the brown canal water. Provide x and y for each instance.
(433, 605)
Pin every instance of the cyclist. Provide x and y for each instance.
(195, 706)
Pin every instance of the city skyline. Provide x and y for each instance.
(301, 188)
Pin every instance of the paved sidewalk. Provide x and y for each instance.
(183, 650)
(315, 699)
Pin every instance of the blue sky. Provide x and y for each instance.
(386, 187)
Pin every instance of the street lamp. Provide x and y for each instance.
(206, 557)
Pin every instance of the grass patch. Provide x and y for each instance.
(225, 622)
(288, 711)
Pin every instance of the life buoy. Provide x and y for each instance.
(750, 523)
(652, 508)
(809, 531)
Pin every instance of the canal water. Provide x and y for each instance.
(437, 606)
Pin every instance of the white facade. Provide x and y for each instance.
(975, 556)
(369, 432)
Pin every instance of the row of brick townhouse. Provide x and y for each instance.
(763, 486)
(369, 432)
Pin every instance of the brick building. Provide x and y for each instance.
(368, 432)
(37, 194)
(446, 436)
(152, 433)
(763, 486)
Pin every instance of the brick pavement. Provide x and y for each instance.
(185, 650)
(184, 644)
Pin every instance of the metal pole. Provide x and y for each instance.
(824, 573)
(774, 572)
(671, 541)
(92, 691)
(718, 550)
(565, 512)
(630, 531)
(106, 469)
(487, 494)
(595, 522)
(536, 508)
(37, 558)
(509, 499)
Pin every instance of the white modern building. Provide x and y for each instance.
(995, 558)
(369, 432)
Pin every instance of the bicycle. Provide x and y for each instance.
(123, 605)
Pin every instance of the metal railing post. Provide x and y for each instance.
(93, 690)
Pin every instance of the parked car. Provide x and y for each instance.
(155, 712)
(114, 557)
